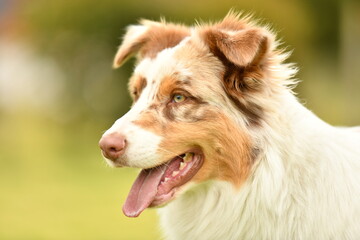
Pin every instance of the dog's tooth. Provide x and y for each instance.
(188, 157)
(166, 179)
(182, 165)
(174, 173)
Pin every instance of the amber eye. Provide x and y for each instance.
(178, 98)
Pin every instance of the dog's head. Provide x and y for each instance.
(198, 93)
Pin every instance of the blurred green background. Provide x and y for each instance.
(58, 93)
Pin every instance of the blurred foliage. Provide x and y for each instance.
(53, 181)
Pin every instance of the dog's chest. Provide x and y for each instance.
(209, 211)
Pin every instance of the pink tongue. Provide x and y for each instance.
(143, 191)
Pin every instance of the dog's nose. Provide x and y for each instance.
(112, 145)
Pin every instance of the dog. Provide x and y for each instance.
(226, 149)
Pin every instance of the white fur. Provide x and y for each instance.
(141, 145)
(306, 185)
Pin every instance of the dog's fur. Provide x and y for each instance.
(272, 169)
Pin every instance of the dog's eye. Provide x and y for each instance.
(178, 98)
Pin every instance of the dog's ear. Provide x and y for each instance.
(148, 39)
(246, 52)
(133, 40)
(243, 48)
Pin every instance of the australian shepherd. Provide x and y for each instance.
(226, 150)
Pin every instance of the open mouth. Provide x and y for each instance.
(156, 186)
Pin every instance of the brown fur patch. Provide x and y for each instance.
(243, 48)
(136, 85)
(230, 158)
(150, 120)
(227, 151)
(160, 37)
(242, 51)
(149, 38)
(167, 86)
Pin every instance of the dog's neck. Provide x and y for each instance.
(288, 132)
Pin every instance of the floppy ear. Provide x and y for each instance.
(245, 52)
(149, 38)
(133, 40)
(242, 48)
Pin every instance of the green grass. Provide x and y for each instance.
(54, 184)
